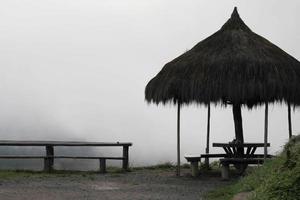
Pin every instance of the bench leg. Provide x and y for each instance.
(102, 165)
(125, 158)
(49, 162)
(47, 165)
(225, 171)
(195, 169)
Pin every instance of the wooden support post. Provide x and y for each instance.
(266, 132)
(125, 157)
(207, 136)
(178, 140)
(290, 120)
(238, 124)
(49, 162)
(102, 165)
(225, 171)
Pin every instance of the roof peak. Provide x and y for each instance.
(235, 22)
(235, 13)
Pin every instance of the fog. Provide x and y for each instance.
(77, 70)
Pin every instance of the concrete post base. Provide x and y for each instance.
(225, 171)
(195, 168)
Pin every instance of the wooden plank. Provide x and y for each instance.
(21, 157)
(242, 160)
(88, 157)
(193, 158)
(213, 155)
(59, 143)
(257, 156)
(239, 145)
(58, 157)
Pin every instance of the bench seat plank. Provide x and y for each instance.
(218, 155)
(60, 143)
(193, 158)
(21, 157)
(58, 157)
(88, 157)
(240, 145)
(241, 160)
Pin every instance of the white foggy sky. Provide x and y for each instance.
(77, 69)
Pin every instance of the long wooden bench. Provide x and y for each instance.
(49, 157)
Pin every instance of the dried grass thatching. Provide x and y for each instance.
(233, 65)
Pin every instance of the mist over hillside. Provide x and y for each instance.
(76, 70)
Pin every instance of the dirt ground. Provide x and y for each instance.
(139, 184)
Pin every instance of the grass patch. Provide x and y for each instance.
(164, 166)
(114, 171)
(13, 174)
(277, 179)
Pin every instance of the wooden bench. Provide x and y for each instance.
(195, 159)
(49, 157)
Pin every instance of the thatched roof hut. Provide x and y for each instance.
(233, 66)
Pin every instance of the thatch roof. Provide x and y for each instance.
(233, 65)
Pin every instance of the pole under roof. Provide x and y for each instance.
(178, 140)
(207, 136)
(290, 120)
(266, 131)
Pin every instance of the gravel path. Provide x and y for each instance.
(141, 184)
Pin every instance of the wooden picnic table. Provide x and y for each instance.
(231, 156)
(238, 159)
(231, 149)
(49, 157)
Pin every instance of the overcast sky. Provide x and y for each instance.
(77, 70)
